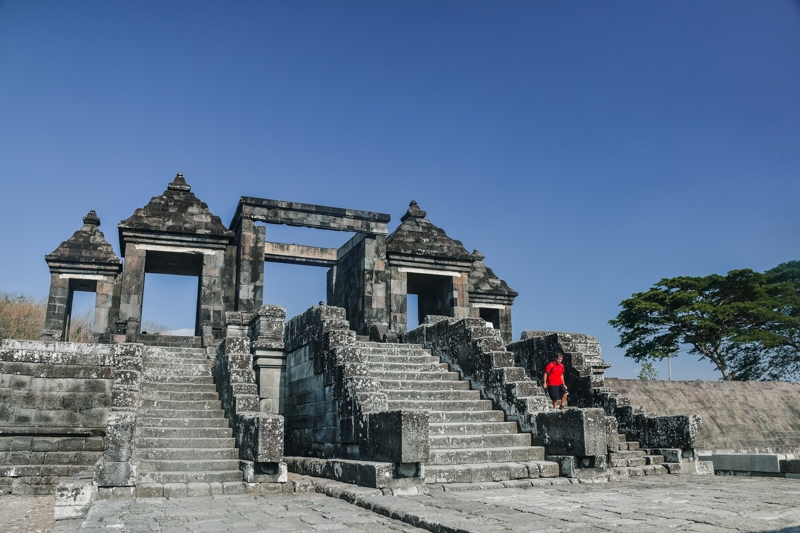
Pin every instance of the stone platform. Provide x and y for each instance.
(652, 504)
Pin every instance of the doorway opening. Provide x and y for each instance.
(490, 315)
(294, 287)
(170, 304)
(433, 295)
(80, 312)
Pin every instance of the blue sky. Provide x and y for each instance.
(588, 149)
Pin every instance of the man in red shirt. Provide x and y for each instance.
(554, 381)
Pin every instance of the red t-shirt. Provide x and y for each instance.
(555, 374)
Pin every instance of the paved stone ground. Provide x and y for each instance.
(26, 514)
(300, 513)
(666, 503)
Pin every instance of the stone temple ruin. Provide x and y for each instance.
(342, 391)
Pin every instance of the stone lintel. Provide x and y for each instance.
(309, 216)
(299, 254)
(487, 305)
(430, 271)
(98, 271)
(173, 243)
(492, 301)
(438, 263)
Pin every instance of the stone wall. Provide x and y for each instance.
(738, 417)
(585, 376)
(333, 409)
(358, 281)
(478, 354)
(54, 404)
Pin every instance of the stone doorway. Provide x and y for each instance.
(434, 293)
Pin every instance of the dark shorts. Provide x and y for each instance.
(556, 391)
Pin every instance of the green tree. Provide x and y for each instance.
(780, 326)
(718, 318)
(648, 372)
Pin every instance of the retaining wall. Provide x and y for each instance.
(54, 403)
(738, 416)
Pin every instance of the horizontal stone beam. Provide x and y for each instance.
(299, 254)
(310, 216)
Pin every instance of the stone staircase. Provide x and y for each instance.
(184, 445)
(630, 460)
(469, 441)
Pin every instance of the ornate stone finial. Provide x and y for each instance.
(478, 256)
(413, 212)
(179, 184)
(91, 219)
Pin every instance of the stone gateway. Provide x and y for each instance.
(342, 391)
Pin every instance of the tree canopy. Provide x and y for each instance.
(746, 323)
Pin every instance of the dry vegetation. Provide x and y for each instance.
(21, 317)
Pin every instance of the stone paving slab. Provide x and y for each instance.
(666, 503)
(300, 513)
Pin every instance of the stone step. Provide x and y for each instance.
(179, 387)
(184, 432)
(488, 472)
(473, 428)
(204, 364)
(457, 456)
(438, 395)
(179, 368)
(438, 417)
(183, 380)
(183, 490)
(175, 372)
(179, 413)
(183, 422)
(633, 461)
(654, 459)
(637, 471)
(415, 359)
(178, 395)
(188, 442)
(382, 375)
(177, 358)
(189, 465)
(509, 440)
(190, 477)
(388, 345)
(181, 405)
(442, 405)
(173, 349)
(187, 454)
(159, 442)
(625, 454)
(390, 384)
(408, 367)
(629, 445)
(622, 437)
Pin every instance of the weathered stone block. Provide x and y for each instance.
(115, 474)
(577, 432)
(398, 436)
(118, 443)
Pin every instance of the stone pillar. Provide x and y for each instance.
(130, 305)
(250, 266)
(103, 305)
(211, 293)
(269, 358)
(398, 300)
(505, 325)
(58, 302)
(376, 280)
(459, 299)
